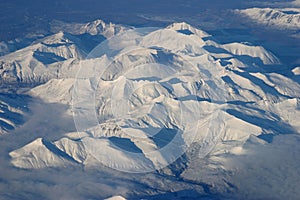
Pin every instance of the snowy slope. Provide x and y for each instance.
(12, 109)
(58, 56)
(54, 56)
(116, 198)
(41, 61)
(151, 97)
(296, 71)
(97, 27)
(38, 154)
(155, 89)
(7, 47)
(281, 18)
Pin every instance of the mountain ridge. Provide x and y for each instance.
(171, 103)
(213, 75)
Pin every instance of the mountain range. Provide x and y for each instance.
(172, 101)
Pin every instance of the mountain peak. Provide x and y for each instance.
(180, 25)
(100, 27)
(97, 24)
(97, 27)
(58, 38)
(187, 29)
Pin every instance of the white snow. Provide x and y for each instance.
(296, 71)
(281, 18)
(97, 27)
(116, 198)
(150, 87)
(36, 155)
(157, 93)
(252, 51)
(12, 110)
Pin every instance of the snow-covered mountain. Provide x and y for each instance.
(84, 34)
(55, 56)
(97, 27)
(172, 101)
(12, 110)
(58, 55)
(162, 80)
(40, 62)
(284, 18)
